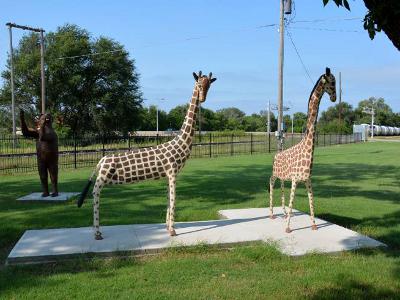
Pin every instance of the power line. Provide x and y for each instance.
(216, 33)
(90, 54)
(328, 20)
(298, 55)
(325, 29)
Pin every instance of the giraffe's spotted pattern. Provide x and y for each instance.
(165, 160)
(295, 164)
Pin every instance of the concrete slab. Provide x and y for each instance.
(328, 238)
(37, 197)
(240, 226)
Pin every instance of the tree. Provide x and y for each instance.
(299, 122)
(176, 116)
(383, 113)
(207, 120)
(382, 15)
(329, 120)
(230, 118)
(92, 93)
(149, 119)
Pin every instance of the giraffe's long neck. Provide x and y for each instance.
(313, 106)
(188, 126)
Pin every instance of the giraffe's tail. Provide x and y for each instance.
(83, 195)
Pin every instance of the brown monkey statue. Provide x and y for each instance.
(47, 150)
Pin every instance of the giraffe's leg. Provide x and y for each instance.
(311, 202)
(292, 193)
(283, 197)
(167, 217)
(271, 196)
(171, 188)
(96, 206)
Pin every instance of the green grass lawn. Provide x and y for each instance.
(356, 186)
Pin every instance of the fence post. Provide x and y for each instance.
(232, 144)
(251, 143)
(75, 151)
(209, 143)
(269, 143)
(324, 140)
(129, 142)
(103, 148)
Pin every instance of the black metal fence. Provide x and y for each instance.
(20, 155)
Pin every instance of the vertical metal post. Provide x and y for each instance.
(103, 142)
(251, 143)
(42, 72)
(269, 143)
(210, 145)
(232, 145)
(269, 118)
(372, 122)
(200, 120)
(12, 86)
(280, 78)
(75, 152)
(157, 121)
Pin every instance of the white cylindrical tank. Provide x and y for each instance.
(377, 130)
(391, 130)
(397, 131)
(385, 130)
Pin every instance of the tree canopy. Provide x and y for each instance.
(382, 15)
(95, 89)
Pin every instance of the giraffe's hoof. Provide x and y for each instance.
(172, 232)
(288, 230)
(272, 217)
(314, 227)
(98, 236)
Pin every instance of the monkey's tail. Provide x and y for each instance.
(83, 195)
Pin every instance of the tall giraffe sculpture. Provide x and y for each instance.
(164, 160)
(295, 163)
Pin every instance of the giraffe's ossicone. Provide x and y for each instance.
(295, 164)
(164, 160)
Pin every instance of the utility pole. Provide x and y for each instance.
(43, 80)
(12, 86)
(280, 78)
(285, 8)
(269, 118)
(370, 111)
(340, 101)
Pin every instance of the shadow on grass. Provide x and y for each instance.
(352, 289)
(203, 191)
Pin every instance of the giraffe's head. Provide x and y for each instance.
(329, 84)
(203, 83)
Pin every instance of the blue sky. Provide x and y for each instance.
(171, 39)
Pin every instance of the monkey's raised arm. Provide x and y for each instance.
(27, 132)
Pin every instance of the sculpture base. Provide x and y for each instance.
(240, 226)
(37, 197)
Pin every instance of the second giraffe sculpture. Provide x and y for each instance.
(165, 160)
(295, 163)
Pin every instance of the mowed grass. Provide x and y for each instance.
(356, 186)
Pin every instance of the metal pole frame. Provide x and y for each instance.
(42, 74)
(14, 132)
